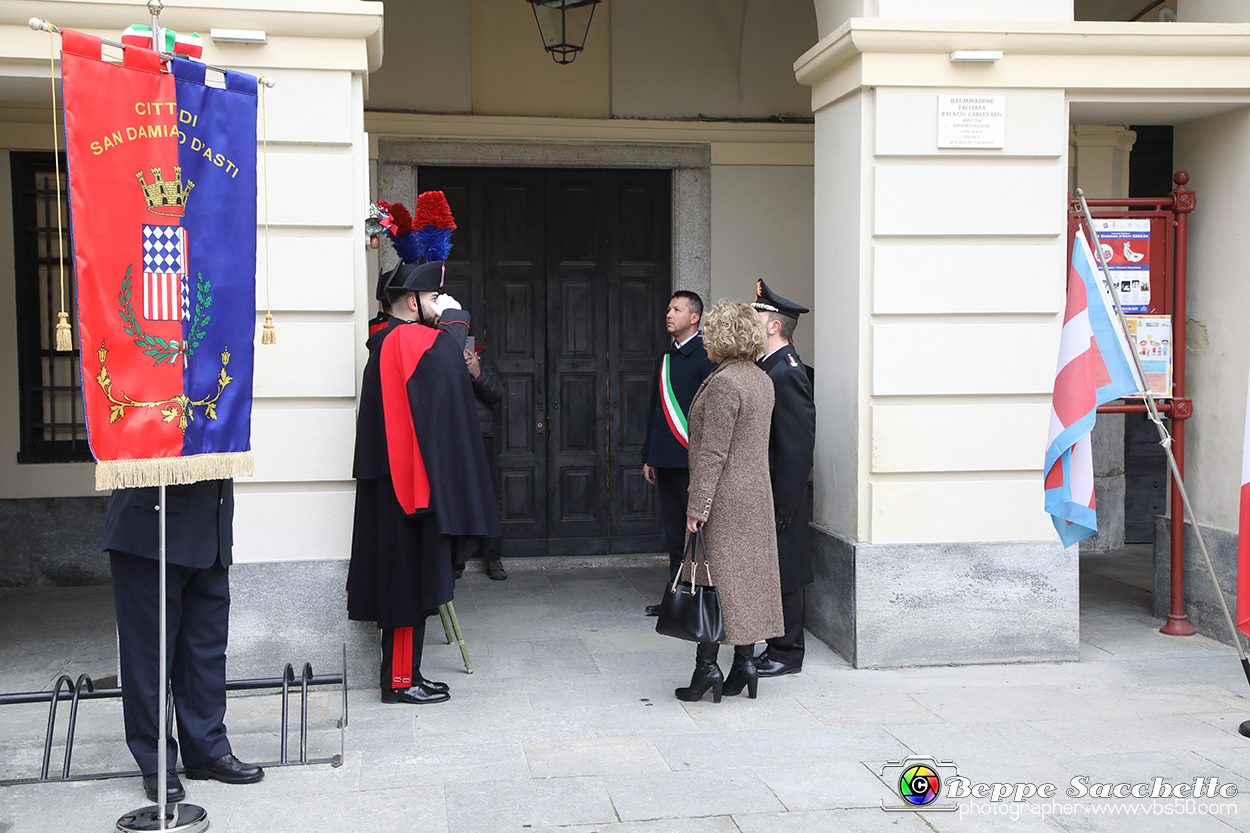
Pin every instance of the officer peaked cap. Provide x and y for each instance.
(766, 299)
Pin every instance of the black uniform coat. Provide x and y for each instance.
(791, 444)
(401, 565)
(198, 523)
(687, 370)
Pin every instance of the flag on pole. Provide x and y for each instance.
(162, 173)
(192, 45)
(1094, 368)
(1243, 533)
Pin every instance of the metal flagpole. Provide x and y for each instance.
(185, 818)
(1165, 440)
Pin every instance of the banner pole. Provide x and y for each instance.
(1165, 440)
(161, 741)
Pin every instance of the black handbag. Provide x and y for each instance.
(689, 610)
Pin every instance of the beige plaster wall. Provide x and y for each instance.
(709, 58)
(842, 203)
(648, 59)
(762, 227)
(514, 76)
(1218, 343)
(427, 66)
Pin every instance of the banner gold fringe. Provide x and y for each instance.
(131, 474)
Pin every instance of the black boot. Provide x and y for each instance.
(742, 674)
(706, 675)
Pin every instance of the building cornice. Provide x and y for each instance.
(870, 52)
(329, 19)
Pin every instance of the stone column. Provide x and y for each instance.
(940, 280)
(1098, 159)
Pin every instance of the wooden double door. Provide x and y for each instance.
(567, 276)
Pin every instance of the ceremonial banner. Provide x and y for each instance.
(162, 172)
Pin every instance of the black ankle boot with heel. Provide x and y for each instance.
(706, 675)
(742, 674)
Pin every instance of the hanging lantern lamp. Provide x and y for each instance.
(563, 25)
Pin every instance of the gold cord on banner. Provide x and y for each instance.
(64, 334)
(267, 335)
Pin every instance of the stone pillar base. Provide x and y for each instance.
(895, 605)
(1201, 605)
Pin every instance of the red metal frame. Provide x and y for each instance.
(1170, 215)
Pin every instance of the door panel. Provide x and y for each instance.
(515, 301)
(577, 313)
(639, 280)
(566, 274)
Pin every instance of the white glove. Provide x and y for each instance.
(444, 302)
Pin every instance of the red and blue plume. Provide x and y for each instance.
(426, 237)
(433, 225)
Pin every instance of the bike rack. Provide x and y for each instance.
(84, 689)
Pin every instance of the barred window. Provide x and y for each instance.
(52, 423)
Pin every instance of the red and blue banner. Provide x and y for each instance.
(162, 172)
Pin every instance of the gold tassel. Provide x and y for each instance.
(267, 335)
(64, 335)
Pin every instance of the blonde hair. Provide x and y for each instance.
(733, 330)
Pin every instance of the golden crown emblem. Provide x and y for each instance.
(168, 199)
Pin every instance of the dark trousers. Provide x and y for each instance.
(492, 549)
(674, 485)
(788, 647)
(401, 656)
(198, 621)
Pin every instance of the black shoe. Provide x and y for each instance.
(417, 695)
(766, 666)
(433, 686)
(226, 769)
(457, 573)
(742, 675)
(653, 610)
(173, 788)
(495, 570)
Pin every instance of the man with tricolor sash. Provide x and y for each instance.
(678, 374)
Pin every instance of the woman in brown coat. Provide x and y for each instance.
(731, 497)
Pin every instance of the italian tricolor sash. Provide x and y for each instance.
(672, 409)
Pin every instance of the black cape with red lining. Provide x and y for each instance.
(406, 543)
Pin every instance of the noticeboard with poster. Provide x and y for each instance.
(1125, 246)
(1151, 335)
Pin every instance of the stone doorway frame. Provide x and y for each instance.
(690, 163)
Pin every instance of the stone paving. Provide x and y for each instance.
(569, 723)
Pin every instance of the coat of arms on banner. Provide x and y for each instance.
(166, 297)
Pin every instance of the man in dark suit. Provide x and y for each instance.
(791, 444)
(198, 535)
(678, 374)
(488, 391)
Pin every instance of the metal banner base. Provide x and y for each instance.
(181, 817)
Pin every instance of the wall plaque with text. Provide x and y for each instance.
(971, 121)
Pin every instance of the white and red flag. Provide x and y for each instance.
(1243, 534)
(1094, 368)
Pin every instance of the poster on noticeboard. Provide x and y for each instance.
(1151, 335)
(1126, 247)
